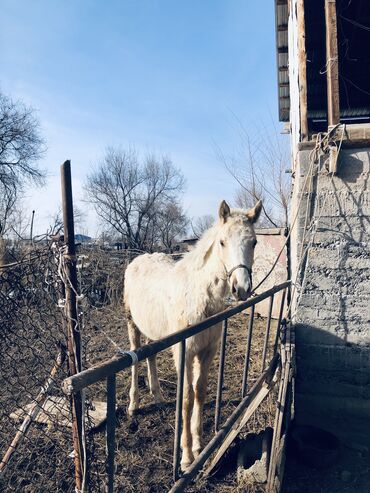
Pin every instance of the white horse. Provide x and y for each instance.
(163, 296)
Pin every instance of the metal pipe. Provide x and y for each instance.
(178, 418)
(123, 361)
(31, 228)
(111, 431)
(220, 380)
(195, 467)
(279, 321)
(267, 334)
(248, 352)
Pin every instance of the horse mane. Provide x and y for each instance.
(197, 257)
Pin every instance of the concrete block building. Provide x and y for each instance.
(323, 61)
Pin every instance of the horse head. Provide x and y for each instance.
(235, 243)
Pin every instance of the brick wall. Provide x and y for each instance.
(332, 319)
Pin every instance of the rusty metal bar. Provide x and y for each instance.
(121, 362)
(71, 315)
(279, 321)
(178, 418)
(111, 431)
(220, 380)
(267, 334)
(248, 351)
(196, 466)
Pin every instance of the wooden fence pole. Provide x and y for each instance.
(71, 312)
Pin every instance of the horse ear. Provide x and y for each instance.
(224, 211)
(254, 213)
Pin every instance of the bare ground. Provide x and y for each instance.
(350, 474)
(145, 442)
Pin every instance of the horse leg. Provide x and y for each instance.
(187, 406)
(203, 362)
(155, 388)
(134, 336)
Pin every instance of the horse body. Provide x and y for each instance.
(163, 296)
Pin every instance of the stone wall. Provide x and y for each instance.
(332, 318)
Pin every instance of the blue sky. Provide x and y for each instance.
(164, 76)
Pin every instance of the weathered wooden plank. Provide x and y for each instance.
(33, 410)
(269, 231)
(57, 410)
(234, 432)
(302, 70)
(332, 62)
(284, 403)
(216, 441)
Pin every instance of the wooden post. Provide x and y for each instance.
(332, 62)
(302, 70)
(71, 312)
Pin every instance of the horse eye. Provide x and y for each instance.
(222, 243)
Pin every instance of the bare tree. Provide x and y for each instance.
(201, 224)
(8, 200)
(56, 221)
(129, 195)
(21, 146)
(259, 167)
(171, 224)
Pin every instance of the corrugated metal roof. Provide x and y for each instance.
(281, 25)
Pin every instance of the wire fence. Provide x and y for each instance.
(34, 440)
(36, 445)
(36, 449)
(61, 311)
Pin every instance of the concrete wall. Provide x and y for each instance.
(332, 319)
(267, 249)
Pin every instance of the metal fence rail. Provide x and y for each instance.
(108, 369)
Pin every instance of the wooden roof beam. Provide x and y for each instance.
(302, 70)
(332, 62)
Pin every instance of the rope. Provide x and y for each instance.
(322, 141)
(62, 257)
(313, 227)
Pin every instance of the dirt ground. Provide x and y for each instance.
(145, 442)
(351, 474)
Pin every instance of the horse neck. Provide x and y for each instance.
(207, 273)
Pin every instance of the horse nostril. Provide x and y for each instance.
(234, 289)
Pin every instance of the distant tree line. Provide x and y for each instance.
(137, 198)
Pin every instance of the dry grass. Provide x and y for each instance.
(28, 341)
(145, 442)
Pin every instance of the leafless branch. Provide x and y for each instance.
(138, 199)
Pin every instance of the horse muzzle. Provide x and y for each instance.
(240, 291)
